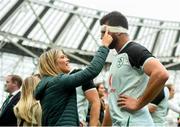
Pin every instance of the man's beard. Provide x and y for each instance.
(114, 42)
(112, 45)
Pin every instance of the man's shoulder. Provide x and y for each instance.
(133, 47)
(137, 53)
(16, 97)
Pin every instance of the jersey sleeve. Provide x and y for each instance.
(88, 85)
(137, 54)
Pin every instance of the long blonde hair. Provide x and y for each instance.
(23, 108)
(47, 62)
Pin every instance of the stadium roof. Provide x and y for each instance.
(30, 27)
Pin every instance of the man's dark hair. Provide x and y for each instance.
(114, 19)
(16, 79)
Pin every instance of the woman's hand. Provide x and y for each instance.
(106, 39)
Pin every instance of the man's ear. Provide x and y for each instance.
(15, 82)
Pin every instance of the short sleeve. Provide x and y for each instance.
(137, 54)
(88, 85)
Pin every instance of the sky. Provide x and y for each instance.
(168, 10)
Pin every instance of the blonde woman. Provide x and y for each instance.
(57, 89)
(28, 110)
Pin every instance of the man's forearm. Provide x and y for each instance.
(155, 85)
(107, 118)
(94, 113)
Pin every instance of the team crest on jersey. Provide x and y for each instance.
(120, 62)
(116, 123)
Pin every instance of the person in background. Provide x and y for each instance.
(12, 86)
(136, 76)
(173, 105)
(57, 88)
(159, 107)
(178, 121)
(28, 110)
(87, 94)
(84, 98)
(101, 91)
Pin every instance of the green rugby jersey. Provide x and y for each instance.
(127, 77)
